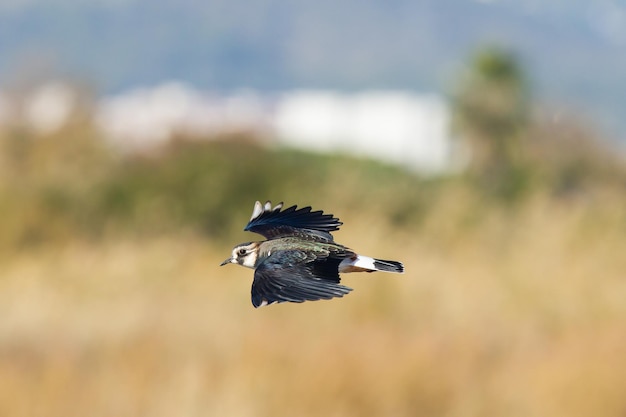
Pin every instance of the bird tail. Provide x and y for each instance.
(388, 266)
(360, 263)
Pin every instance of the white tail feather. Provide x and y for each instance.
(359, 263)
(366, 264)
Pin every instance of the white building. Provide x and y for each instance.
(147, 117)
(393, 126)
(398, 127)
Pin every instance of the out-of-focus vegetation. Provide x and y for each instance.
(69, 185)
(514, 155)
(113, 304)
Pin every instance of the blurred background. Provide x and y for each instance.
(480, 142)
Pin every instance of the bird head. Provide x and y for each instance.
(244, 254)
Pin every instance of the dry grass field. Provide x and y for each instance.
(523, 314)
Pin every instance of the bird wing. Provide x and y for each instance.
(296, 276)
(273, 223)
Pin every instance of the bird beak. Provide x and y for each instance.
(227, 261)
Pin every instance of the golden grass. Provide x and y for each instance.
(521, 315)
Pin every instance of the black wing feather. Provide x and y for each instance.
(295, 276)
(273, 223)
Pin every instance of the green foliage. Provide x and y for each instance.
(70, 184)
(492, 112)
(201, 186)
(492, 99)
(514, 153)
(210, 186)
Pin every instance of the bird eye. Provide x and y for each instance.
(242, 252)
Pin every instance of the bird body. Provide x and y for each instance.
(300, 260)
(312, 247)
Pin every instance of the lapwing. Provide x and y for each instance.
(300, 260)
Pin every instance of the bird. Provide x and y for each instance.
(299, 260)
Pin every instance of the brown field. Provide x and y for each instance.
(522, 315)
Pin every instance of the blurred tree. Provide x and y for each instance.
(491, 111)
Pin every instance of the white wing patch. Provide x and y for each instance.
(256, 212)
(265, 303)
(262, 208)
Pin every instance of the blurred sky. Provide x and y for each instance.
(575, 51)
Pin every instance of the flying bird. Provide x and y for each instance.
(300, 260)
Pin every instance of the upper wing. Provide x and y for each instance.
(272, 222)
(296, 276)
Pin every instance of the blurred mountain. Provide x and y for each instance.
(573, 49)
